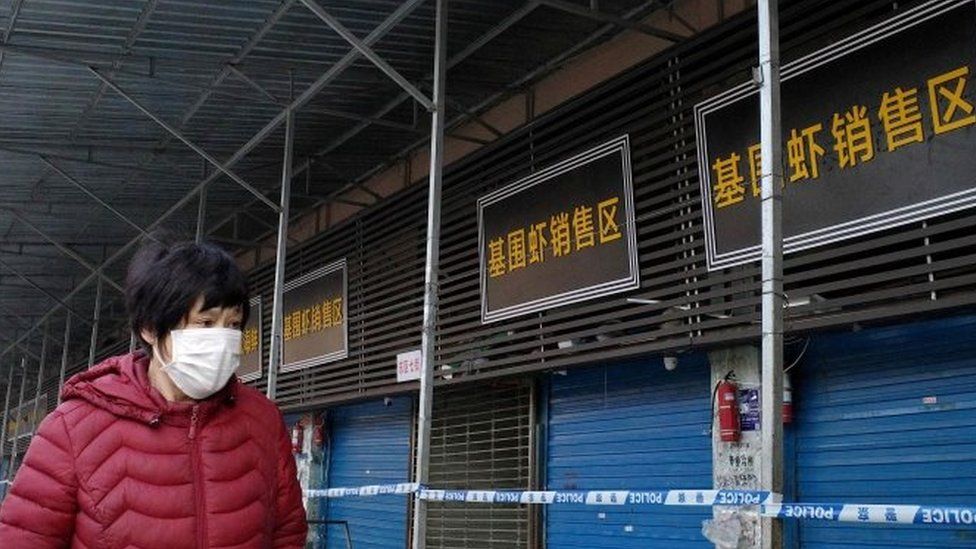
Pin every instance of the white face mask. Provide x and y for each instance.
(203, 359)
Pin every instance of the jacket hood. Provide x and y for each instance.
(120, 385)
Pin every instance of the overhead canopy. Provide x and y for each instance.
(114, 112)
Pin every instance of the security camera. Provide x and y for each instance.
(670, 363)
(387, 401)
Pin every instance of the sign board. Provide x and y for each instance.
(562, 235)
(22, 420)
(315, 329)
(251, 344)
(409, 365)
(879, 130)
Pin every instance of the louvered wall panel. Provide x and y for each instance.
(918, 268)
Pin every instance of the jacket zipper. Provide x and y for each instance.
(201, 514)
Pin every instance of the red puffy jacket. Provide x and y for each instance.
(118, 466)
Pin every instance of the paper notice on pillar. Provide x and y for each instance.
(252, 350)
(315, 328)
(408, 366)
(749, 409)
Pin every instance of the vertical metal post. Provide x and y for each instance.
(201, 212)
(64, 355)
(12, 467)
(35, 420)
(771, 472)
(424, 410)
(6, 416)
(277, 311)
(95, 317)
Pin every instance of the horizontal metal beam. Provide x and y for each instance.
(369, 54)
(179, 135)
(402, 11)
(65, 250)
(88, 192)
(37, 287)
(87, 160)
(604, 17)
(504, 25)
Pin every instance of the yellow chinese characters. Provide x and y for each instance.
(899, 117)
(249, 341)
(320, 316)
(852, 137)
(950, 111)
(563, 234)
(803, 153)
(728, 181)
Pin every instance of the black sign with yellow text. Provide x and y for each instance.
(879, 130)
(562, 235)
(251, 338)
(315, 330)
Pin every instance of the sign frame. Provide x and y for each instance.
(257, 304)
(844, 230)
(618, 145)
(305, 279)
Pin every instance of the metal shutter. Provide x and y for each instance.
(480, 439)
(370, 444)
(887, 415)
(629, 426)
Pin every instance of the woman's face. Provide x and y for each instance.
(198, 317)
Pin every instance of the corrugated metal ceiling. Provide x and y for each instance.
(219, 71)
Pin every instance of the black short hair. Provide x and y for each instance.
(166, 279)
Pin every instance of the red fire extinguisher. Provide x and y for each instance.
(728, 411)
(318, 433)
(298, 437)
(787, 399)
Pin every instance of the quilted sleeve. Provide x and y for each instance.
(291, 527)
(39, 510)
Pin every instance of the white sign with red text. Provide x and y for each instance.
(408, 366)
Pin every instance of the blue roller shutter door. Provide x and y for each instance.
(629, 426)
(370, 444)
(887, 415)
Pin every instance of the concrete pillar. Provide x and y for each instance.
(737, 465)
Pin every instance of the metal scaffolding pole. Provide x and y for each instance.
(771, 472)
(40, 379)
(11, 468)
(201, 212)
(431, 290)
(368, 52)
(277, 309)
(6, 416)
(96, 315)
(64, 355)
(223, 167)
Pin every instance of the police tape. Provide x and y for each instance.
(704, 498)
(768, 503)
(873, 513)
(365, 491)
(561, 497)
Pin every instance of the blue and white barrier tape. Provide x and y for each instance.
(769, 503)
(558, 497)
(873, 513)
(605, 497)
(373, 490)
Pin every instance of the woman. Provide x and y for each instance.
(163, 448)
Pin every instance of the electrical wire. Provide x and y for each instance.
(797, 361)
